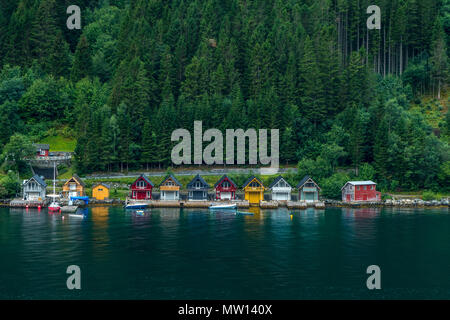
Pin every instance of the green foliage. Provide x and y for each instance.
(331, 187)
(430, 195)
(137, 70)
(366, 172)
(17, 151)
(9, 185)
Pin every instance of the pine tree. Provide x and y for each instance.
(82, 64)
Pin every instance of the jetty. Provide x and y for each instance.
(69, 209)
(20, 203)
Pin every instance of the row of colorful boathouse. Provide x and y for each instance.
(224, 189)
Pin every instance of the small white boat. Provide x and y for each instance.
(223, 207)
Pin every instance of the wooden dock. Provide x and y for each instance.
(69, 209)
(20, 203)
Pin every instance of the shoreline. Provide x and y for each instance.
(291, 205)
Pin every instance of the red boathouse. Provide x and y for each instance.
(225, 189)
(141, 189)
(360, 191)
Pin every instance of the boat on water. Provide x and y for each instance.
(136, 206)
(223, 207)
(54, 205)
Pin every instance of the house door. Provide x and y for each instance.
(225, 195)
(309, 196)
(254, 197)
(169, 195)
(141, 195)
(348, 198)
(365, 197)
(197, 195)
(282, 196)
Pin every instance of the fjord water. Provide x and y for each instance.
(195, 254)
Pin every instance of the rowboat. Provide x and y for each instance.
(223, 207)
(136, 206)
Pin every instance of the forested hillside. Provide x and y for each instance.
(342, 96)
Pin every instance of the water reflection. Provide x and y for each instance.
(189, 253)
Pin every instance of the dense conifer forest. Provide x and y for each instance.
(348, 101)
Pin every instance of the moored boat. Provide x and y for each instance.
(136, 206)
(223, 207)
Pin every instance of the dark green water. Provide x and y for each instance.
(193, 254)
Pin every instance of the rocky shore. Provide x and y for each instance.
(404, 203)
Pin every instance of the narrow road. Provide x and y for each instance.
(211, 172)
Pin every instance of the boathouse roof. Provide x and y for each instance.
(143, 176)
(278, 179)
(250, 180)
(170, 176)
(38, 179)
(223, 178)
(106, 185)
(304, 180)
(204, 184)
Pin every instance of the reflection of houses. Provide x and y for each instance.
(360, 191)
(198, 188)
(225, 189)
(308, 190)
(281, 189)
(34, 189)
(254, 190)
(100, 191)
(74, 187)
(42, 150)
(170, 188)
(141, 189)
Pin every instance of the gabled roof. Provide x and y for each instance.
(251, 179)
(41, 146)
(304, 180)
(171, 177)
(38, 179)
(205, 185)
(101, 184)
(223, 178)
(278, 179)
(143, 176)
(77, 179)
(359, 183)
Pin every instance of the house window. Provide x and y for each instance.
(357, 188)
(141, 184)
(198, 185)
(254, 184)
(365, 187)
(42, 153)
(226, 184)
(100, 189)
